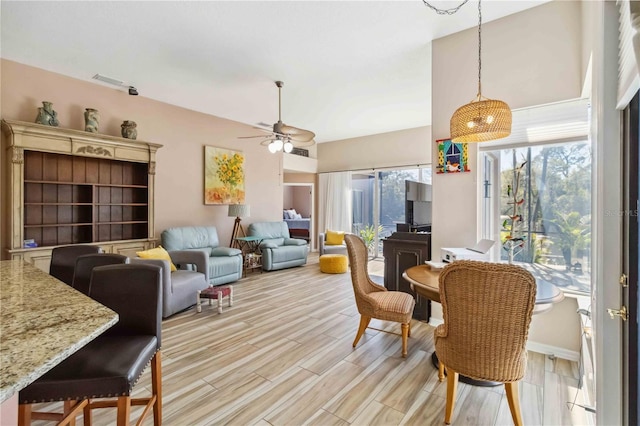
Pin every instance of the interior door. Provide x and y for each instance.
(629, 279)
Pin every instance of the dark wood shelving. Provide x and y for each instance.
(49, 225)
(87, 199)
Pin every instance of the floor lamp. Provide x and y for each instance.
(238, 211)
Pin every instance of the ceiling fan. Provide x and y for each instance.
(283, 137)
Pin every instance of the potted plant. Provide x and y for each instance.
(368, 234)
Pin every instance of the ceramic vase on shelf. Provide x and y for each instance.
(46, 114)
(129, 130)
(91, 120)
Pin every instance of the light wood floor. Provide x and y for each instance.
(282, 355)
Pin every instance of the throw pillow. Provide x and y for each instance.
(298, 216)
(334, 238)
(157, 253)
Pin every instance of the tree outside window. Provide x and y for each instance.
(555, 184)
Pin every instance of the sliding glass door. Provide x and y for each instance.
(379, 203)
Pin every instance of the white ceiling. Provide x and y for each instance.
(350, 68)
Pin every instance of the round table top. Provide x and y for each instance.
(424, 281)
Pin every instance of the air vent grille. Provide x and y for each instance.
(108, 80)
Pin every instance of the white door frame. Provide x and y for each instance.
(312, 225)
(607, 244)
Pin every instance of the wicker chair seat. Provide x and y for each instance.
(392, 306)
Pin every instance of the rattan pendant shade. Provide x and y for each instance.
(480, 121)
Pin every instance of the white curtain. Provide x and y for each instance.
(335, 202)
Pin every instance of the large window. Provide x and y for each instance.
(379, 202)
(540, 198)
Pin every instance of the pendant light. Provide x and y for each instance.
(482, 119)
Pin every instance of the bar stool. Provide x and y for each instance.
(111, 364)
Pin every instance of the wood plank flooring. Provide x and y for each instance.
(282, 355)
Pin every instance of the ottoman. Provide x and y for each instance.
(214, 292)
(333, 263)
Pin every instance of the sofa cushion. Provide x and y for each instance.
(269, 230)
(190, 237)
(158, 253)
(225, 251)
(287, 253)
(224, 265)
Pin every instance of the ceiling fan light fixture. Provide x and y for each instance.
(288, 147)
(272, 147)
(278, 144)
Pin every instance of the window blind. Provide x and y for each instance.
(566, 121)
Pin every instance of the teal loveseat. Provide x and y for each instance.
(279, 251)
(225, 264)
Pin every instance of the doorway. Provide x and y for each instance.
(300, 197)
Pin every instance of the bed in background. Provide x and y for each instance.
(298, 226)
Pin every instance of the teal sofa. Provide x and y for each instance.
(225, 264)
(279, 251)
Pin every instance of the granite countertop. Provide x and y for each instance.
(42, 322)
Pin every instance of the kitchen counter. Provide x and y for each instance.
(42, 322)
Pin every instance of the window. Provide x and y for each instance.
(540, 196)
(379, 201)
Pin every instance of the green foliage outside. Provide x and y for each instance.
(556, 212)
(368, 234)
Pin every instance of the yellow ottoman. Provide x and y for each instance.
(333, 263)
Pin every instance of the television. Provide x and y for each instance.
(417, 203)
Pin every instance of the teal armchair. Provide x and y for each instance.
(279, 251)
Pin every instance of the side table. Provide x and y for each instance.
(250, 247)
(252, 261)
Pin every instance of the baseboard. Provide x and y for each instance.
(533, 346)
(553, 350)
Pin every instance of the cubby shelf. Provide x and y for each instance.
(68, 186)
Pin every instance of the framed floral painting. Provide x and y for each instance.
(223, 176)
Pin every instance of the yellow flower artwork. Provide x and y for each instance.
(223, 176)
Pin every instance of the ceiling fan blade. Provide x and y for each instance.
(251, 137)
(301, 144)
(300, 135)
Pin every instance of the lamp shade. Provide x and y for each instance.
(238, 210)
(481, 121)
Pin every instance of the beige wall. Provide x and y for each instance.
(408, 147)
(529, 58)
(184, 133)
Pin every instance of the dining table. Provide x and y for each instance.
(424, 281)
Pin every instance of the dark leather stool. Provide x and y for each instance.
(63, 260)
(111, 364)
(85, 265)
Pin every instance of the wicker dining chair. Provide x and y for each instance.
(487, 310)
(373, 300)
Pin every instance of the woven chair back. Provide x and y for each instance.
(487, 310)
(362, 284)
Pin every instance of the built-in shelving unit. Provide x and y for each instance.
(72, 187)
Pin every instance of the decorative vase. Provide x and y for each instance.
(91, 119)
(46, 114)
(129, 130)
